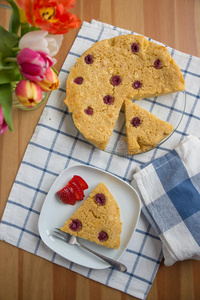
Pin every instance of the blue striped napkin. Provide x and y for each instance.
(170, 192)
(56, 144)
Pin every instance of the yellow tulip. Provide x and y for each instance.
(28, 93)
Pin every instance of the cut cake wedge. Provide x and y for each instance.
(143, 129)
(97, 219)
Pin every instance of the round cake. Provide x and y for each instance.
(125, 67)
(97, 219)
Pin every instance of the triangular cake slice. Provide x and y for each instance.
(97, 219)
(143, 129)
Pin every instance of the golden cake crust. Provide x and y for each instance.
(149, 132)
(96, 218)
(115, 57)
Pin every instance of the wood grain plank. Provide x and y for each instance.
(197, 25)
(168, 277)
(24, 276)
(64, 283)
(129, 15)
(8, 272)
(162, 28)
(187, 286)
(187, 40)
(37, 278)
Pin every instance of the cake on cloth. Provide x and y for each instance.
(144, 130)
(97, 219)
(123, 67)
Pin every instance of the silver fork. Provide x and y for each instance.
(72, 240)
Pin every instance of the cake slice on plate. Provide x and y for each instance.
(97, 219)
(143, 129)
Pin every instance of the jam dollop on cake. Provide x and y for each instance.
(108, 99)
(137, 84)
(136, 122)
(78, 80)
(100, 199)
(75, 225)
(97, 219)
(102, 236)
(89, 59)
(157, 64)
(89, 111)
(135, 48)
(116, 80)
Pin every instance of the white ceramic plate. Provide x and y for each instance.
(54, 214)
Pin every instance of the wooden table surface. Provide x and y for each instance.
(25, 276)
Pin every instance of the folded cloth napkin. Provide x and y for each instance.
(56, 144)
(170, 191)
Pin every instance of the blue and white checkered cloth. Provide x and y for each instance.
(56, 144)
(170, 192)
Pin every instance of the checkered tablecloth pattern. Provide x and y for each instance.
(56, 144)
(170, 191)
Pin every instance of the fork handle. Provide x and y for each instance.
(115, 264)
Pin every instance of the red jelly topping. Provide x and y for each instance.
(108, 99)
(78, 80)
(89, 111)
(89, 59)
(135, 47)
(100, 199)
(137, 84)
(157, 64)
(102, 236)
(116, 80)
(75, 225)
(136, 122)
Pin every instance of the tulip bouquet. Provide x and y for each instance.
(27, 52)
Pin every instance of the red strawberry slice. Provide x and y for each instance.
(77, 190)
(73, 191)
(72, 194)
(66, 195)
(81, 181)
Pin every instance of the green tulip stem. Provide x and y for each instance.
(10, 59)
(15, 49)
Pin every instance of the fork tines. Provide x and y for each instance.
(60, 234)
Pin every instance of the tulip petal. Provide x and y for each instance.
(28, 93)
(35, 40)
(3, 124)
(54, 43)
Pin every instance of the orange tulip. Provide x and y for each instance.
(51, 81)
(50, 15)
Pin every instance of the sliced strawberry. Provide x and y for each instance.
(73, 191)
(81, 181)
(72, 194)
(66, 196)
(77, 189)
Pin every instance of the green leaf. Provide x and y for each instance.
(9, 72)
(7, 41)
(6, 103)
(10, 75)
(15, 18)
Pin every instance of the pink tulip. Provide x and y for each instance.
(33, 64)
(3, 125)
(28, 93)
(51, 81)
